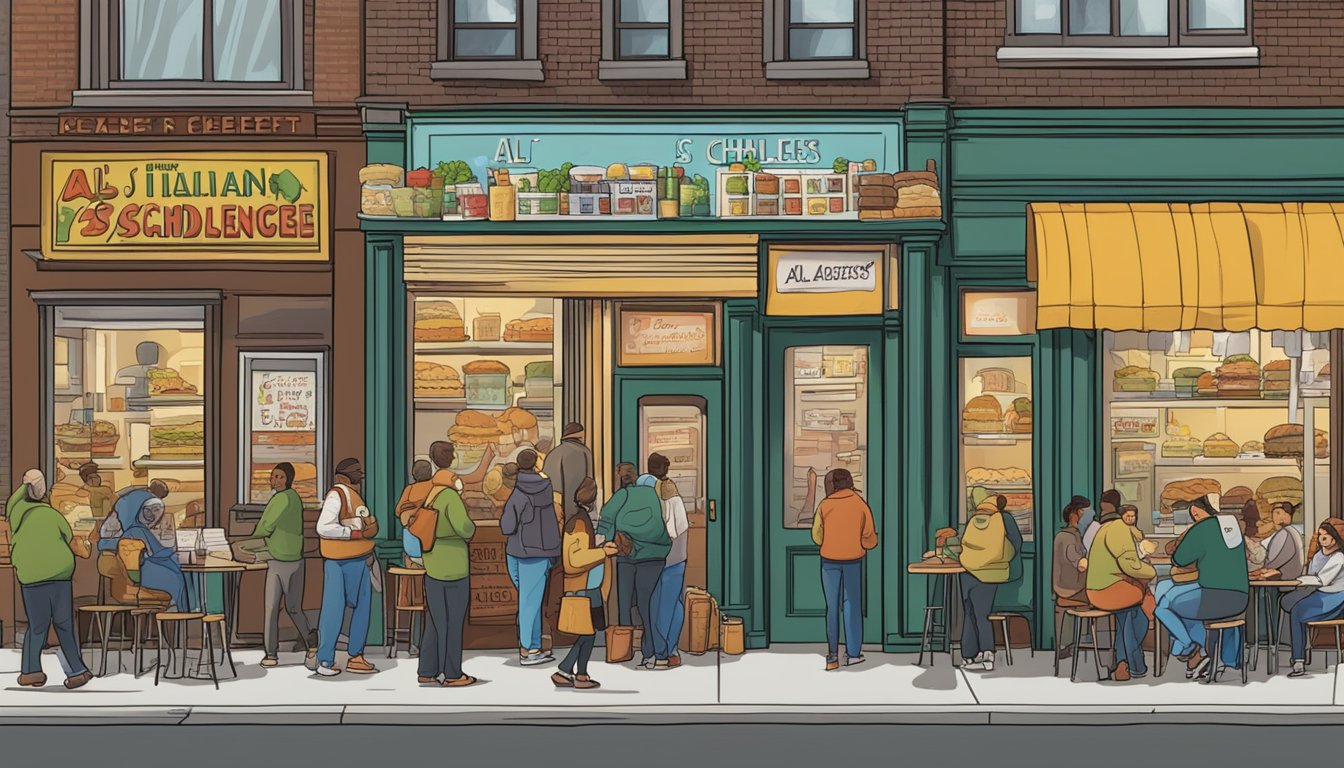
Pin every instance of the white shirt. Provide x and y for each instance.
(674, 517)
(329, 519)
(1326, 571)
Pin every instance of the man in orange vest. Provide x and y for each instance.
(347, 531)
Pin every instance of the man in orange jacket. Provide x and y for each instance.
(843, 528)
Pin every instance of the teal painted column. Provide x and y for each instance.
(385, 392)
(926, 138)
(737, 540)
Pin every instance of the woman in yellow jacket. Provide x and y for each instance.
(990, 547)
(1117, 581)
(586, 575)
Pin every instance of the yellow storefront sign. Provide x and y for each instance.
(225, 206)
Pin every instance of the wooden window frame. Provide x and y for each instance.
(854, 26)
(523, 65)
(1178, 34)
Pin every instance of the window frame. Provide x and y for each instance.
(525, 65)
(449, 26)
(775, 48)
(790, 25)
(613, 66)
(1179, 35)
(619, 25)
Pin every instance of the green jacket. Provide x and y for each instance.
(41, 540)
(1220, 567)
(282, 526)
(637, 512)
(450, 559)
(1114, 555)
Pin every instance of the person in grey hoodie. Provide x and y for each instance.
(532, 528)
(568, 465)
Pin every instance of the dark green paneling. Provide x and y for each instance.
(743, 584)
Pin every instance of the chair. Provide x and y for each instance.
(1088, 616)
(410, 609)
(176, 625)
(104, 619)
(118, 588)
(1329, 625)
(1001, 620)
(1215, 653)
(1063, 604)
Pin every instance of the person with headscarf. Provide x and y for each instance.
(132, 517)
(43, 554)
(1321, 595)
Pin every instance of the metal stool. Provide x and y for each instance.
(1002, 619)
(1063, 604)
(104, 618)
(1336, 625)
(413, 610)
(1088, 616)
(1215, 654)
(176, 624)
(933, 627)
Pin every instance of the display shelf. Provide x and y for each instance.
(484, 348)
(167, 401)
(1201, 461)
(1199, 402)
(829, 381)
(145, 462)
(1002, 437)
(454, 404)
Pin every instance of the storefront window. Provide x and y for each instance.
(1242, 415)
(484, 378)
(128, 389)
(826, 395)
(997, 426)
(285, 411)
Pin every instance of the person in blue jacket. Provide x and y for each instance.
(160, 569)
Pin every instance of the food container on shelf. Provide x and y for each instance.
(767, 206)
(538, 204)
(420, 177)
(686, 193)
(587, 174)
(767, 184)
(492, 389)
(539, 380)
(376, 200)
(643, 172)
(633, 198)
(503, 197)
(669, 209)
(474, 202)
(486, 326)
(793, 206)
(452, 206)
(427, 202)
(403, 202)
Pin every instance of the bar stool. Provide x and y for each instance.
(104, 619)
(1088, 616)
(176, 625)
(1001, 620)
(1063, 604)
(1330, 624)
(1215, 653)
(412, 609)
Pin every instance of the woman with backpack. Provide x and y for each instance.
(989, 552)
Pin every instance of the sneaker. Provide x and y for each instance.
(646, 663)
(78, 681)
(1299, 669)
(270, 661)
(326, 671)
(33, 680)
(853, 660)
(660, 665)
(310, 660)
(832, 664)
(1194, 661)
(536, 657)
(357, 665)
(1200, 671)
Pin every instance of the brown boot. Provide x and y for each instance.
(78, 681)
(359, 666)
(33, 680)
(1121, 673)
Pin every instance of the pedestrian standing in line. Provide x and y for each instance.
(586, 576)
(346, 531)
(281, 525)
(633, 519)
(412, 498)
(843, 528)
(532, 529)
(568, 465)
(43, 553)
(447, 576)
(668, 599)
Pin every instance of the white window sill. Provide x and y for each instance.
(197, 97)
(665, 69)
(525, 69)
(1143, 56)
(855, 69)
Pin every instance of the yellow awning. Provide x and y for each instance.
(1178, 266)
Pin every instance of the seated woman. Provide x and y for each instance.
(1215, 545)
(1321, 595)
(1283, 547)
(159, 570)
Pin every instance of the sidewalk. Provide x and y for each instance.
(778, 686)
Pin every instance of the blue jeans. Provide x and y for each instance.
(1183, 631)
(1190, 610)
(345, 584)
(529, 575)
(1131, 626)
(1318, 606)
(668, 611)
(843, 581)
(50, 603)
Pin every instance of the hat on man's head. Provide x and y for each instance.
(37, 484)
(572, 429)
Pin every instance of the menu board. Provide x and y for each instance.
(654, 337)
(284, 401)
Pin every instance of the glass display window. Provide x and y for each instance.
(826, 423)
(997, 427)
(284, 421)
(128, 388)
(484, 378)
(1241, 415)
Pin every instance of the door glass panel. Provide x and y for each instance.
(996, 430)
(284, 422)
(675, 428)
(826, 422)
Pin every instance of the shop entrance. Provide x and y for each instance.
(682, 420)
(824, 412)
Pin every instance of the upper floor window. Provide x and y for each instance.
(816, 39)
(487, 39)
(1135, 31)
(641, 40)
(189, 47)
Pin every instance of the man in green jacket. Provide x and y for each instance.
(447, 576)
(1215, 546)
(43, 554)
(636, 512)
(281, 525)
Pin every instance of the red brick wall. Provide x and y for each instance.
(722, 46)
(1301, 64)
(336, 62)
(45, 52)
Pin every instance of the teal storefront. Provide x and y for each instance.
(757, 335)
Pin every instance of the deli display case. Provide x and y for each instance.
(826, 421)
(997, 431)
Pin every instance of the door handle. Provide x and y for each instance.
(713, 511)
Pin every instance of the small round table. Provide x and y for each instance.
(948, 577)
(1264, 602)
(232, 572)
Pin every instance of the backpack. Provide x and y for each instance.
(985, 546)
(425, 519)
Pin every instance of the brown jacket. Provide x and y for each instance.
(580, 554)
(843, 527)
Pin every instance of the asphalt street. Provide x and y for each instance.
(823, 745)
